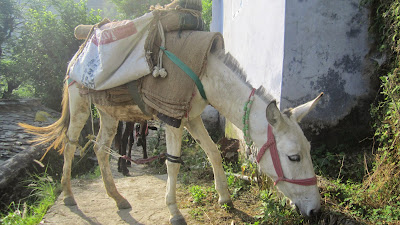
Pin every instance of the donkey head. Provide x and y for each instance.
(298, 180)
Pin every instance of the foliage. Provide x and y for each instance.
(130, 9)
(353, 200)
(334, 162)
(10, 18)
(207, 13)
(9, 14)
(197, 194)
(38, 55)
(43, 195)
(275, 210)
(384, 182)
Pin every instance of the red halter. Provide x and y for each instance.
(271, 144)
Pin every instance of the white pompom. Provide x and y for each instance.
(163, 72)
(156, 72)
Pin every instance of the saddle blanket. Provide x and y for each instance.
(171, 95)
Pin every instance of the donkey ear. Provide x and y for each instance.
(274, 116)
(302, 110)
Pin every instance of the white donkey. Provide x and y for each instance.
(289, 163)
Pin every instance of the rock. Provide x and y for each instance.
(42, 116)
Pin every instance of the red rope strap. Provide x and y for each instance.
(271, 145)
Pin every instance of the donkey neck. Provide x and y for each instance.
(228, 93)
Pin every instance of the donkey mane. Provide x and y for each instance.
(235, 67)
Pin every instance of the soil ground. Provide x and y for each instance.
(145, 192)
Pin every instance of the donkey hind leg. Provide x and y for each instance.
(173, 138)
(108, 127)
(199, 132)
(79, 113)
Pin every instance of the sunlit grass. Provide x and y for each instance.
(43, 195)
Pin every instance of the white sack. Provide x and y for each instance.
(114, 55)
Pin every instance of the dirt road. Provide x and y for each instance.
(145, 192)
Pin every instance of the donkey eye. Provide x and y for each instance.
(294, 158)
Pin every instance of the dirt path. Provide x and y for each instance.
(144, 191)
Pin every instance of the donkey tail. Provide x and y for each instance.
(56, 133)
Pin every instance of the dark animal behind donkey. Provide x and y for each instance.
(126, 138)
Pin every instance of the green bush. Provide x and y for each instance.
(38, 50)
(197, 193)
(43, 195)
(383, 183)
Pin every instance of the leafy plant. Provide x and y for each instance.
(226, 207)
(197, 194)
(130, 9)
(43, 195)
(384, 181)
(207, 13)
(275, 210)
(38, 50)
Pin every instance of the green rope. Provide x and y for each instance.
(247, 107)
(187, 70)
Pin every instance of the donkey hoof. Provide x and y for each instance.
(178, 220)
(124, 204)
(126, 173)
(69, 201)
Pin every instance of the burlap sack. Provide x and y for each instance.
(171, 95)
(173, 20)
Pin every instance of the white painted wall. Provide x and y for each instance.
(253, 31)
(298, 48)
(326, 48)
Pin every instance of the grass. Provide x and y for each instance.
(43, 195)
(352, 199)
(251, 206)
(44, 192)
(343, 200)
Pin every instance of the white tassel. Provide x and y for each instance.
(156, 71)
(163, 73)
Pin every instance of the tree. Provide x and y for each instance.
(130, 9)
(44, 46)
(207, 13)
(8, 17)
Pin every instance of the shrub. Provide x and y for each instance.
(383, 182)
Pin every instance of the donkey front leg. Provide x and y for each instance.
(173, 138)
(108, 127)
(199, 132)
